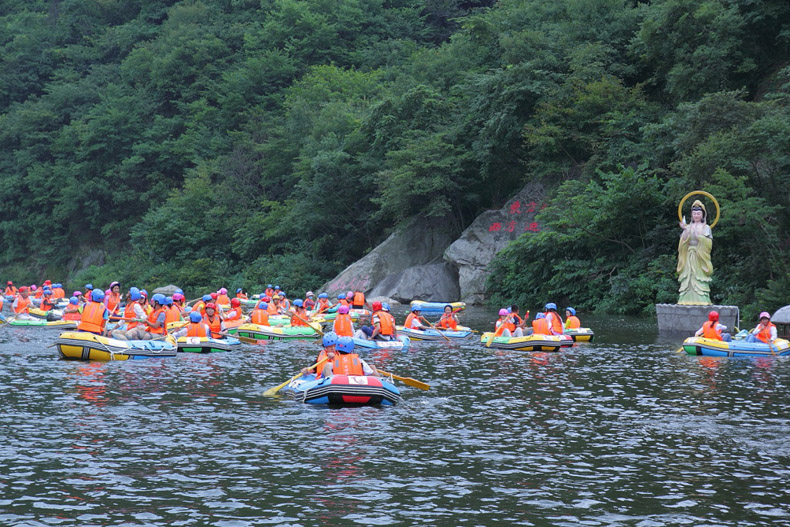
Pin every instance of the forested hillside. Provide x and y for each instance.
(243, 142)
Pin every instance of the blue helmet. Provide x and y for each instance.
(323, 295)
(206, 298)
(277, 287)
(88, 286)
(238, 290)
(195, 317)
(550, 306)
(413, 308)
(263, 305)
(97, 295)
(268, 286)
(58, 285)
(571, 311)
(341, 296)
(179, 291)
(330, 339)
(74, 300)
(540, 315)
(345, 345)
(298, 302)
(168, 301)
(159, 298)
(134, 293)
(385, 306)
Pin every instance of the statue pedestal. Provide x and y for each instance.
(677, 318)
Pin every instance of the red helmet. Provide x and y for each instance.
(213, 296)
(376, 306)
(211, 305)
(235, 302)
(713, 315)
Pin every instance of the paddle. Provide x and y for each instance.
(435, 329)
(248, 340)
(309, 324)
(272, 391)
(406, 380)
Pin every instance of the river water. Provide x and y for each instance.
(622, 431)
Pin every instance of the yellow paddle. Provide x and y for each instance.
(272, 391)
(316, 329)
(436, 329)
(407, 380)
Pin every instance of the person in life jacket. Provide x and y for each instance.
(155, 325)
(274, 306)
(260, 315)
(505, 325)
(413, 320)
(241, 294)
(86, 297)
(328, 341)
(712, 329)
(10, 289)
(94, 314)
(112, 300)
(222, 298)
(47, 303)
(343, 325)
(133, 316)
(299, 316)
(571, 320)
(341, 300)
(201, 304)
(179, 301)
(553, 319)
(765, 330)
(214, 321)
(323, 303)
(383, 324)
(449, 319)
(285, 304)
(309, 301)
(343, 361)
(358, 300)
(22, 304)
(145, 303)
(172, 314)
(269, 290)
(72, 310)
(235, 310)
(540, 325)
(37, 291)
(196, 327)
(58, 292)
(78, 295)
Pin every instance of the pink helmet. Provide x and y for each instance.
(765, 314)
(309, 293)
(33, 287)
(178, 296)
(223, 291)
(503, 312)
(350, 295)
(76, 293)
(342, 310)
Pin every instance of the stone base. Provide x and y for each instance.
(677, 318)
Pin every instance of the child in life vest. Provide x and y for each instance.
(765, 330)
(712, 329)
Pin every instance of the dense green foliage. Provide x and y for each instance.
(250, 141)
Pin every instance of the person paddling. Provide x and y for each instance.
(133, 315)
(214, 321)
(413, 321)
(712, 329)
(328, 341)
(449, 319)
(195, 328)
(765, 330)
(22, 304)
(383, 324)
(343, 361)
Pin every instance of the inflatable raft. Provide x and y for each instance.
(367, 345)
(344, 390)
(355, 314)
(257, 332)
(735, 348)
(206, 344)
(80, 345)
(529, 343)
(435, 334)
(580, 334)
(437, 307)
(42, 323)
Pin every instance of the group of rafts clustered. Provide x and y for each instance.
(108, 325)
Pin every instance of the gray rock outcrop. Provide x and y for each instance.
(782, 316)
(421, 282)
(491, 232)
(167, 290)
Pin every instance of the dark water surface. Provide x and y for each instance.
(623, 431)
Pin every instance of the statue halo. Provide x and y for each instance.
(702, 193)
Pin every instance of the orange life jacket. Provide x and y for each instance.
(359, 300)
(319, 369)
(58, 292)
(409, 319)
(386, 327)
(199, 307)
(323, 304)
(710, 331)
(540, 327)
(46, 304)
(502, 325)
(22, 305)
(92, 318)
(273, 309)
(343, 302)
(295, 321)
(285, 304)
(112, 301)
(448, 322)
(172, 314)
(572, 322)
(71, 312)
(38, 293)
(234, 314)
(197, 330)
(241, 296)
(555, 323)
(343, 325)
(152, 319)
(260, 317)
(215, 325)
(269, 292)
(10, 290)
(765, 334)
(223, 299)
(348, 364)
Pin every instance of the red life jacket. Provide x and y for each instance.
(92, 318)
(152, 319)
(765, 334)
(359, 300)
(710, 331)
(197, 330)
(348, 364)
(540, 327)
(260, 317)
(344, 326)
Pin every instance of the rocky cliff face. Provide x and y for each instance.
(428, 260)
